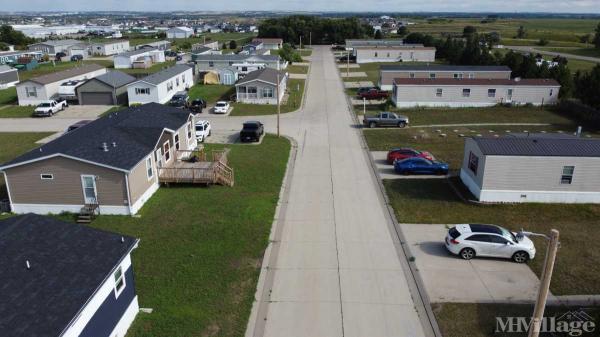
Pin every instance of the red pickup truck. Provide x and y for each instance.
(373, 93)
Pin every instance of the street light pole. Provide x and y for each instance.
(278, 104)
(348, 64)
(540, 304)
(364, 106)
(310, 39)
(300, 41)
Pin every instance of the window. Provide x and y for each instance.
(458, 75)
(491, 92)
(268, 93)
(31, 91)
(471, 75)
(188, 130)
(388, 54)
(230, 64)
(169, 85)
(167, 149)
(177, 81)
(177, 141)
(431, 75)
(119, 281)
(244, 69)
(142, 91)
(375, 54)
(473, 162)
(567, 175)
(498, 239)
(252, 90)
(149, 171)
(411, 75)
(479, 238)
(46, 176)
(439, 92)
(551, 92)
(466, 92)
(211, 64)
(182, 78)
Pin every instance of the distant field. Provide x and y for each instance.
(591, 52)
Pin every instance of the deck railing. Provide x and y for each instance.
(200, 171)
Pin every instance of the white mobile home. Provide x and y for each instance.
(161, 86)
(126, 60)
(110, 47)
(179, 32)
(42, 88)
(553, 168)
(406, 53)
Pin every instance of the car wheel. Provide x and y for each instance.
(520, 257)
(467, 253)
(401, 124)
(372, 125)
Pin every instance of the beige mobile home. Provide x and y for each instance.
(406, 53)
(260, 86)
(550, 168)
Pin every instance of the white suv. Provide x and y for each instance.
(221, 107)
(472, 240)
(202, 130)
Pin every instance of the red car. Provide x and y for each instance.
(373, 93)
(404, 153)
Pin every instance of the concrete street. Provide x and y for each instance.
(335, 268)
(57, 123)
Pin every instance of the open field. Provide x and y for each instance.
(591, 52)
(8, 96)
(295, 89)
(201, 248)
(579, 65)
(481, 321)
(533, 42)
(211, 92)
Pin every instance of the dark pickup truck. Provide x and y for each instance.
(252, 131)
(373, 93)
(386, 119)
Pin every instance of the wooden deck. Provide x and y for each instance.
(202, 171)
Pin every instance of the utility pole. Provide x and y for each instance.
(300, 41)
(278, 104)
(348, 64)
(364, 106)
(540, 304)
(310, 39)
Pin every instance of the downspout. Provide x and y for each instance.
(128, 193)
(8, 191)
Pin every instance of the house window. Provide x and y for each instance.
(388, 54)
(177, 142)
(439, 92)
(411, 75)
(211, 64)
(458, 75)
(142, 91)
(31, 91)
(375, 54)
(149, 170)
(46, 176)
(491, 92)
(471, 75)
(188, 130)
(268, 93)
(177, 81)
(182, 78)
(567, 175)
(244, 68)
(167, 151)
(466, 92)
(473, 162)
(431, 75)
(169, 85)
(119, 281)
(551, 92)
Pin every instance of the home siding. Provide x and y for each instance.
(394, 55)
(471, 146)
(259, 87)
(92, 85)
(138, 179)
(26, 186)
(387, 77)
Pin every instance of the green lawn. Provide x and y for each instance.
(8, 96)
(480, 319)
(575, 65)
(15, 111)
(295, 89)
(304, 52)
(211, 92)
(295, 69)
(201, 248)
(533, 42)
(13, 145)
(591, 52)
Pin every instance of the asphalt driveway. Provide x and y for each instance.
(448, 278)
(59, 122)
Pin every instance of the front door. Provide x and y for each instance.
(509, 95)
(90, 194)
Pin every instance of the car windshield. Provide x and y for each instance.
(44, 105)
(199, 128)
(220, 105)
(250, 126)
(508, 234)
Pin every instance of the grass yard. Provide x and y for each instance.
(8, 96)
(575, 65)
(211, 92)
(591, 52)
(295, 89)
(295, 69)
(15, 111)
(481, 322)
(534, 42)
(304, 52)
(434, 201)
(201, 248)
(13, 145)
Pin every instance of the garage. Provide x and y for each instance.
(96, 98)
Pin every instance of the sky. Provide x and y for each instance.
(553, 6)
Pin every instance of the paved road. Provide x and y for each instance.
(336, 269)
(534, 50)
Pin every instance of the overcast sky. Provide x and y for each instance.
(555, 6)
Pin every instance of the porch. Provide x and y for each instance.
(198, 167)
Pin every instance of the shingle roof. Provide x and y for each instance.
(557, 145)
(68, 262)
(235, 57)
(65, 74)
(477, 81)
(5, 68)
(116, 78)
(352, 43)
(442, 68)
(135, 52)
(268, 75)
(165, 74)
(268, 40)
(201, 49)
(58, 42)
(135, 130)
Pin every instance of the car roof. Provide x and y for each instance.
(479, 228)
(404, 149)
(202, 122)
(223, 102)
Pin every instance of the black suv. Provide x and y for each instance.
(180, 100)
(197, 105)
(252, 131)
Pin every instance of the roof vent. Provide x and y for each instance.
(114, 144)
(122, 239)
(517, 79)
(104, 147)
(27, 264)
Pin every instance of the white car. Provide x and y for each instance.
(469, 241)
(221, 107)
(202, 130)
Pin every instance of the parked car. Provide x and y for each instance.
(373, 93)
(471, 240)
(385, 119)
(77, 125)
(417, 165)
(49, 108)
(76, 57)
(197, 105)
(221, 107)
(345, 58)
(203, 130)
(338, 47)
(180, 100)
(404, 153)
(364, 89)
(59, 56)
(252, 131)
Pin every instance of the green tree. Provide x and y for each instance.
(12, 37)
(289, 54)
(3, 46)
(469, 31)
(378, 35)
(521, 33)
(232, 44)
(543, 42)
(224, 45)
(587, 87)
(597, 37)
(402, 31)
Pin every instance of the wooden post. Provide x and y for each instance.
(540, 304)
(278, 104)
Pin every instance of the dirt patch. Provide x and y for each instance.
(212, 330)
